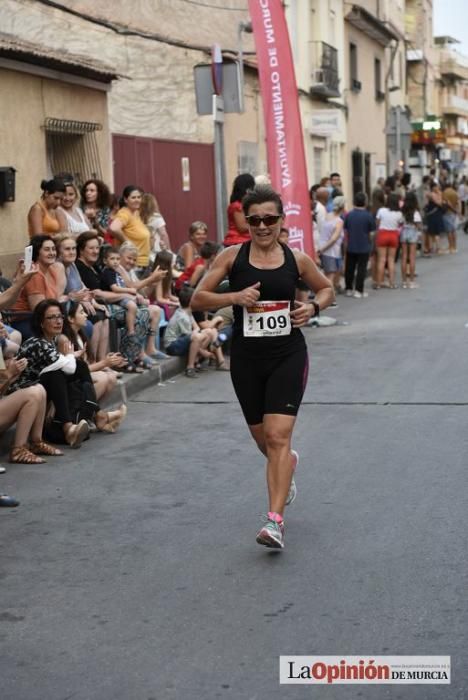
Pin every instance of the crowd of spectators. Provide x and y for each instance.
(369, 238)
(107, 295)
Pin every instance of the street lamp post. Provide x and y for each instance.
(244, 26)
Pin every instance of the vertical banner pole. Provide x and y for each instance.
(284, 136)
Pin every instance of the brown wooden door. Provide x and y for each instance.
(155, 165)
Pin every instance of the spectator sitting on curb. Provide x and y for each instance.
(184, 336)
(112, 282)
(162, 290)
(10, 340)
(198, 233)
(194, 272)
(103, 373)
(25, 407)
(128, 259)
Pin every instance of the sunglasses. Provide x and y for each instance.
(268, 220)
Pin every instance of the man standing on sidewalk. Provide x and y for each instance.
(359, 225)
(321, 199)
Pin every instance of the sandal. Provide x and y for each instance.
(133, 369)
(76, 433)
(43, 448)
(201, 366)
(146, 362)
(22, 455)
(223, 367)
(108, 422)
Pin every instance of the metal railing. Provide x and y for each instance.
(324, 64)
(72, 148)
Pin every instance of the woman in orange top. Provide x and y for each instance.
(48, 283)
(43, 216)
(128, 226)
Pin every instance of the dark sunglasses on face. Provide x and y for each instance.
(268, 220)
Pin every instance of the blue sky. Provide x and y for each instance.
(449, 17)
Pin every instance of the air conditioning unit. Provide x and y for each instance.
(317, 77)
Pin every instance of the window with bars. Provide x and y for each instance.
(317, 164)
(247, 157)
(72, 148)
(334, 156)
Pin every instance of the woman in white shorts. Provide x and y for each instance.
(331, 239)
(409, 236)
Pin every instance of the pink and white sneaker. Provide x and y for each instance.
(292, 493)
(272, 533)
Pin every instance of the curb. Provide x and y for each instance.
(131, 384)
(128, 386)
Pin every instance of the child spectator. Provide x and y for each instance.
(112, 282)
(193, 274)
(162, 294)
(103, 373)
(184, 336)
(409, 238)
(153, 220)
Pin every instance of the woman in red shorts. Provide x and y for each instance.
(389, 220)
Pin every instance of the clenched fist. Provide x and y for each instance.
(248, 296)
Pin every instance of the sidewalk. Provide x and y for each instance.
(131, 384)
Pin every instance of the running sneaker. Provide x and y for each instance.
(272, 534)
(292, 493)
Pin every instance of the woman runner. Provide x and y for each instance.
(269, 361)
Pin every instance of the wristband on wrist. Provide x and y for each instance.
(316, 309)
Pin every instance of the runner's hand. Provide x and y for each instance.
(248, 296)
(301, 313)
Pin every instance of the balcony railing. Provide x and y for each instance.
(324, 62)
(454, 65)
(452, 104)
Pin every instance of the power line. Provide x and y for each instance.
(215, 7)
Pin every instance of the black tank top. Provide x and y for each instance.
(278, 284)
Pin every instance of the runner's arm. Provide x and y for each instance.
(315, 280)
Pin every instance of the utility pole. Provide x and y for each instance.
(220, 168)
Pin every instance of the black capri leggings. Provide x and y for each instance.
(56, 386)
(264, 385)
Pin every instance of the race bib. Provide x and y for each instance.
(267, 318)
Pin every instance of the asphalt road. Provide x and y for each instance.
(130, 571)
